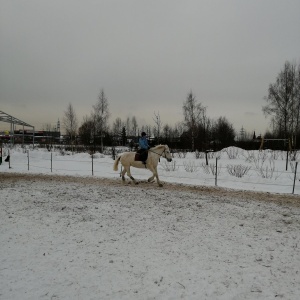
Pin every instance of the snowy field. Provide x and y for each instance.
(90, 237)
(266, 171)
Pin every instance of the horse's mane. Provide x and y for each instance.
(158, 146)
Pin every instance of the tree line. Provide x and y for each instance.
(196, 131)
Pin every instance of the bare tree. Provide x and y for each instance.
(167, 131)
(178, 129)
(194, 113)
(157, 128)
(117, 128)
(282, 106)
(128, 126)
(134, 125)
(296, 106)
(100, 116)
(70, 122)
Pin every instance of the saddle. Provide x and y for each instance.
(141, 155)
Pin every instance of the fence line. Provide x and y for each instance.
(53, 161)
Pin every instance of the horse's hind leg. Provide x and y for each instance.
(123, 175)
(151, 179)
(130, 176)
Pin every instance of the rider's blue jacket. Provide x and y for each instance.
(143, 143)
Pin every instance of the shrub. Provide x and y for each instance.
(169, 166)
(211, 168)
(265, 171)
(199, 154)
(190, 166)
(232, 152)
(257, 159)
(211, 155)
(275, 154)
(294, 156)
(181, 154)
(269, 170)
(238, 170)
(205, 168)
(293, 167)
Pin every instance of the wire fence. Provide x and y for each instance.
(263, 175)
(212, 173)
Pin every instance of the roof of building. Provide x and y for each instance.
(4, 117)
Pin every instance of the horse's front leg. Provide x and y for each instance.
(151, 179)
(157, 179)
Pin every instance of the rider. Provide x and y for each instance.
(144, 146)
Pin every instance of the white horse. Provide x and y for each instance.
(127, 160)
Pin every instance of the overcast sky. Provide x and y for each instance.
(146, 55)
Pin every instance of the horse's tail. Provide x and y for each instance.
(116, 163)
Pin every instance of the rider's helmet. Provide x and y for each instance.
(143, 133)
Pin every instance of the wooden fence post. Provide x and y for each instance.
(295, 176)
(216, 178)
(92, 164)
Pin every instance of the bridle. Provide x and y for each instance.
(164, 152)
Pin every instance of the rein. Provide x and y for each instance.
(158, 153)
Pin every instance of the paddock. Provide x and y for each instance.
(66, 237)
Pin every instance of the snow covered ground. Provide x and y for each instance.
(90, 237)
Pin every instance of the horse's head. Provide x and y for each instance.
(167, 154)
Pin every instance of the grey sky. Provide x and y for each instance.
(146, 55)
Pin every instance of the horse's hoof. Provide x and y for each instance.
(160, 185)
(137, 183)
